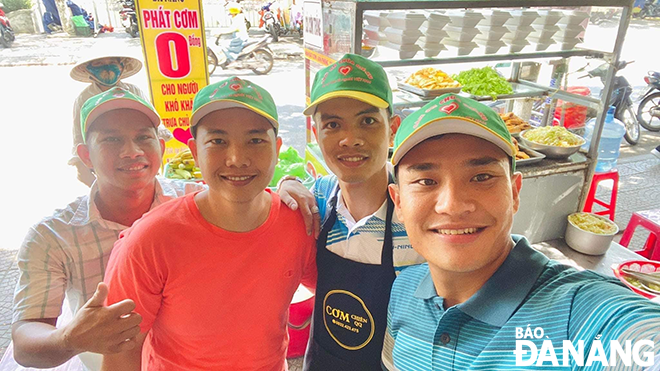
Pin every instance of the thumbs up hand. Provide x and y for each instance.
(100, 329)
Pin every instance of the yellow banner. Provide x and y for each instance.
(318, 58)
(174, 47)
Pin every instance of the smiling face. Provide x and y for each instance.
(354, 138)
(457, 198)
(236, 150)
(123, 149)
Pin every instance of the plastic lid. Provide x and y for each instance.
(611, 110)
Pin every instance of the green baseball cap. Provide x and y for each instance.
(352, 76)
(234, 92)
(112, 99)
(452, 114)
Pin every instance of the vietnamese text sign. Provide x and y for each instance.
(174, 49)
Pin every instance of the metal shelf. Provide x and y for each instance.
(445, 4)
(497, 57)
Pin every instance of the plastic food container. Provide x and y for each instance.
(573, 17)
(587, 242)
(431, 49)
(548, 17)
(490, 46)
(372, 32)
(402, 37)
(377, 18)
(433, 34)
(517, 46)
(521, 18)
(464, 34)
(406, 20)
(370, 43)
(569, 32)
(465, 19)
(492, 32)
(518, 34)
(437, 20)
(405, 51)
(462, 47)
(543, 34)
(495, 17)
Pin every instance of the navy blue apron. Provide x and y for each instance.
(350, 308)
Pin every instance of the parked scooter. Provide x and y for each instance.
(256, 56)
(650, 9)
(621, 92)
(269, 21)
(6, 32)
(648, 112)
(129, 18)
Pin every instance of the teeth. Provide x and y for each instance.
(353, 159)
(238, 178)
(458, 231)
(135, 168)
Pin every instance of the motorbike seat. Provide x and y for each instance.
(247, 44)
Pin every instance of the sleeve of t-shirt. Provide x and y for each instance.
(42, 278)
(611, 313)
(387, 360)
(135, 272)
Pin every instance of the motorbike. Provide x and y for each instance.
(129, 18)
(650, 9)
(6, 32)
(648, 112)
(270, 22)
(621, 99)
(256, 56)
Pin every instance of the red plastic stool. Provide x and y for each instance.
(591, 197)
(649, 219)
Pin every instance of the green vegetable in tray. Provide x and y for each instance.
(556, 136)
(290, 163)
(635, 282)
(483, 82)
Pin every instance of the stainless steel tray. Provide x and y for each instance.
(426, 93)
(533, 156)
(519, 91)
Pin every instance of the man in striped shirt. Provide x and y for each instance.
(486, 299)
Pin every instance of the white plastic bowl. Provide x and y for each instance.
(402, 37)
(437, 20)
(406, 20)
(522, 18)
(492, 32)
(465, 19)
(465, 34)
(433, 34)
(548, 17)
(495, 17)
(377, 18)
(405, 51)
(518, 34)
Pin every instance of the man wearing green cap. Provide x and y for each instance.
(362, 245)
(63, 257)
(487, 299)
(213, 273)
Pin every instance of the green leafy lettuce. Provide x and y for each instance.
(483, 82)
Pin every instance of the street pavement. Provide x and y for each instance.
(37, 96)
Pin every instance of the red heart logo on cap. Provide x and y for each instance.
(182, 135)
(235, 87)
(345, 70)
(448, 109)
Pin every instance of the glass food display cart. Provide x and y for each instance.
(407, 35)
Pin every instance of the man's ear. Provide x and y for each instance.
(192, 144)
(395, 122)
(393, 189)
(278, 145)
(162, 148)
(516, 186)
(83, 153)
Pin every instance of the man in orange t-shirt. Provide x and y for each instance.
(212, 274)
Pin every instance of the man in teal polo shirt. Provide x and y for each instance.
(486, 299)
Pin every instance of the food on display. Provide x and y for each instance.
(182, 166)
(556, 136)
(635, 282)
(592, 223)
(520, 155)
(483, 82)
(431, 79)
(514, 123)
